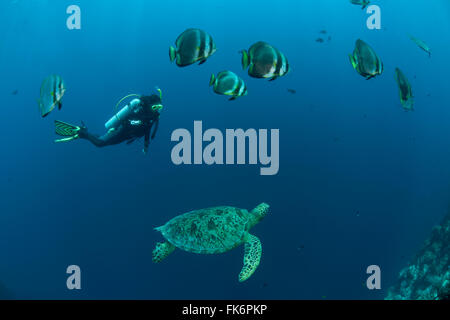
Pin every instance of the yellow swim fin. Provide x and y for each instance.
(70, 132)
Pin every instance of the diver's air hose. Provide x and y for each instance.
(126, 97)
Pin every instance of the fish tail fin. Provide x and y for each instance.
(212, 80)
(245, 59)
(70, 132)
(172, 53)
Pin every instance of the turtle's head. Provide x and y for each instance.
(257, 214)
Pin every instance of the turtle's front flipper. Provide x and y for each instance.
(161, 251)
(252, 256)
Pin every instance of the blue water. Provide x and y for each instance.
(361, 182)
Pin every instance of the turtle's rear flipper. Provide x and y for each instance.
(252, 256)
(161, 251)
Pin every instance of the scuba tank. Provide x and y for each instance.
(124, 113)
(133, 107)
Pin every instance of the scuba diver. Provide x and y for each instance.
(133, 121)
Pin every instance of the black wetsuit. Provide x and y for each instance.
(137, 125)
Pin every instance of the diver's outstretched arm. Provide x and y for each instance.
(147, 138)
(155, 129)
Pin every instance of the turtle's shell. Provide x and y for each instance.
(209, 231)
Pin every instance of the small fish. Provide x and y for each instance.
(193, 45)
(15, 92)
(320, 40)
(52, 92)
(363, 3)
(329, 38)
(292, 91)
(323, 31)
(422, 45)
(405, 91)
(228, 83)
(264, 61)
(365, 61)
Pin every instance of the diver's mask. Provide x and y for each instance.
(158, 106)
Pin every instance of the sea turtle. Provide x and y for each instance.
(214, 230)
